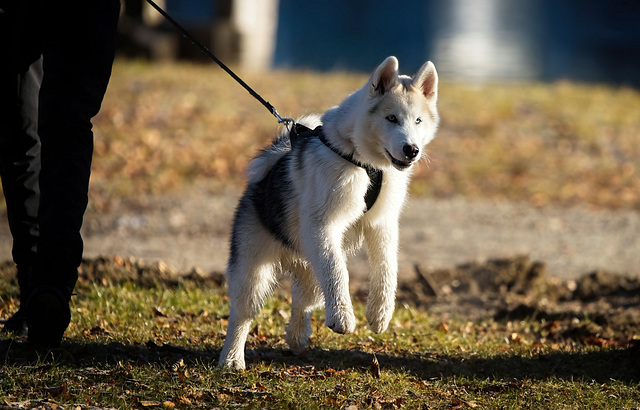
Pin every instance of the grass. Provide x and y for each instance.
(140, 344)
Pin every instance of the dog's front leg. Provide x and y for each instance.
(382, 250)
(323, 247)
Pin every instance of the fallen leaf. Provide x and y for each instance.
(375, 367)
(333, 372)
(443, 327)
(514, 338)
(158, 313)
(551, 326)
(457, 404)
(177, 365)
(150, 403)
(55, 391)
(601, 342)
(184, 401)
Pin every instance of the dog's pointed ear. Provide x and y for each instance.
(426, 80)
(385, 76)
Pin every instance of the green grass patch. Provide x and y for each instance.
(140, 344)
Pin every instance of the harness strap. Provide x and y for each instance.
(375, 175)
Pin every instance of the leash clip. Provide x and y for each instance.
(286, 121)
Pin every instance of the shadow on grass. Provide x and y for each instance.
(601, 366)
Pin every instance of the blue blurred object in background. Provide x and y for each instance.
(468, 40)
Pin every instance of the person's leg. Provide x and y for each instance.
(20, 78)
(78, 55)
(19, 169)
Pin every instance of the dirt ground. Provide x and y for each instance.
(600, 307)
(578, 270)
(192, 229)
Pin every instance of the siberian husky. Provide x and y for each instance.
(316, 197)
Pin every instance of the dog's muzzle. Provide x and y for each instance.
(410, 151)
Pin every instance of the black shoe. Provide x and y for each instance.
(17, 324)
(48, 316)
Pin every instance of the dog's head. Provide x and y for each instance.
(402, 114)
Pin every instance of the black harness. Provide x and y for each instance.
(299, 131)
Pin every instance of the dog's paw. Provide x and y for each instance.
(232, 363)
(341, 320)
(231, 358)
(297, 343)
(297, 337)
(378, 318)
(379, 325)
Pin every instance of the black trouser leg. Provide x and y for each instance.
(20, 164)
(78, 55)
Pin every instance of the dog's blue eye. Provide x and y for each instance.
(392, 118)
(418, 120)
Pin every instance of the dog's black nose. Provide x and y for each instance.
(411, 151)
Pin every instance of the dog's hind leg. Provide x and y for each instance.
(306, 296)
(382, 250)
(250, 283)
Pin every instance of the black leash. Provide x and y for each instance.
(268, 106)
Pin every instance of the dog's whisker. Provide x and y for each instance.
(426, 159)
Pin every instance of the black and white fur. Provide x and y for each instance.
(303, 211)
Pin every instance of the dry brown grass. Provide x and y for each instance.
(166, 126)
(546, 143)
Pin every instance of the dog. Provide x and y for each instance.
(316, 196)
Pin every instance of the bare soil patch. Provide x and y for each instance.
(600, 307)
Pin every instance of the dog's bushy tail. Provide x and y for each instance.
(281, 145)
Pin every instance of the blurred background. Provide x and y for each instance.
(582, 40)
(545, 91)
